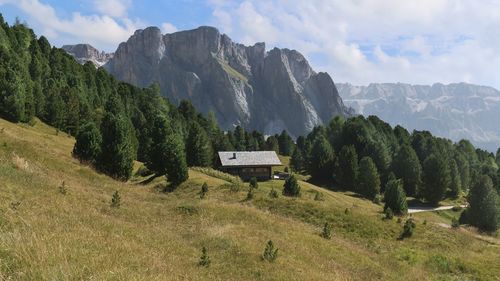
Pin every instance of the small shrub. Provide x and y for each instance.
(273, 193)
(62, 188)
(319, 196)
(377, 199)
(408, 228)
(204, 190)
(204, 259)
(253, 183)
(455, 223)
(270, 253)
(327, 231)
(116, 200)
(250, 194)
(291, 187)
(388, 214)
(347, 211)
(425, 222)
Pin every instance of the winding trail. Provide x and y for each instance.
(418, 209)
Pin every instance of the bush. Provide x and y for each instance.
(327, 231)
(319, 196)
(377, 199)
(455, 223)
(273, 193)
(408, 228)
(116, 200)
(204, 190)
(62, 188)
(270, 253)
(388, 214)
(204, 259)
(250, 194)
(253, 183)
(291, 187)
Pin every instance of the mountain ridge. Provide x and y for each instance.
(269, 91)
(455, 111)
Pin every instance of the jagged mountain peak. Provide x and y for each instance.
(86, 52)
(244, 85)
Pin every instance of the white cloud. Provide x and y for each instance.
(365, 41)
(113, 8)
(167, 27)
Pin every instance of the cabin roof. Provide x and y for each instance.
(248, 158)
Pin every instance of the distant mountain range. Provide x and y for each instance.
(243, 85)
(453, 111)
(85, 52)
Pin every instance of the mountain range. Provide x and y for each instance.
(269, 91)
(456, 111)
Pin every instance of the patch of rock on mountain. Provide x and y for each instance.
(85, 52)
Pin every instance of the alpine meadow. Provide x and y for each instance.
(187, 156)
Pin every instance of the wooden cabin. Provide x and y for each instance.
(248, 164)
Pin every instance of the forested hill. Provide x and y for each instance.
(116, 123)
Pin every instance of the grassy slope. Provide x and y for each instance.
(45, 235)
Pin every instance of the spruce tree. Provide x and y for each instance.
(198, 148)
(272, 144)
(347, 169)
(436, 179)
(369, 180)
(406, 166)
(483, 209)
(116, 150)
(395, 197)
(270, 252)
(285, 144)
(456, 182)
(297, 160)
(320, 163)
(204, 190)
(176, 166)
(291, 187)
(158, 157)
(88, 143)
(204, 259)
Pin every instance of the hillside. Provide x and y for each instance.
(455, 111)
(45, 235)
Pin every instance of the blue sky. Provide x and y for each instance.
(362, 41)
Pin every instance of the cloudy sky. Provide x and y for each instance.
(356, 41)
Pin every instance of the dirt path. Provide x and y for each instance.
(418, 209)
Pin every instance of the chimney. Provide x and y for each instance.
(234, 155)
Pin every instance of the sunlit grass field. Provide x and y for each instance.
(48, 235)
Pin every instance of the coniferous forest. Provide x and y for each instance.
(115, 123)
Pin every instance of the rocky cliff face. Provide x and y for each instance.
(243, 85)
(84, 52)
(454, 111)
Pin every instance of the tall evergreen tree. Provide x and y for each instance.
(347, 169)
(369, 180)
(406, 166)
(158, 156)
(117, 154)
(321, 160)
(483, 209)
(285, 144)
(395, 197)
(88, 143)
(436, 179)
(297, 161)
(177, 171)
(456, 182)
(198, 147)
(272, 144)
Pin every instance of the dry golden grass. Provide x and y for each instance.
(45, 235)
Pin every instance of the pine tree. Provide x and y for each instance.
(116, 200)
(253, 183)
(436, 179)
(408, 228)
(297, 160)
(327, 231)
(320, 163)
(88, 143)
(291, 187)
(177, 171)
(204, 259)
(347, 170)
(272, 144)
(369, 180)
(456, 182)
(483, 210)
(395, 197)
(158, 156)
(285, 144)
(198, 148)
(116, 150)
(406, 166)
(204, 190)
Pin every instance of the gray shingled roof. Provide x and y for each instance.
(249, 158)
